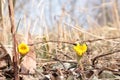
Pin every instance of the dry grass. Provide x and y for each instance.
(47, 52)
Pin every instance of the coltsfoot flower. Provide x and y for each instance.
(23, 49)
(80, 49)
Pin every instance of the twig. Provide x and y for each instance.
(67, 42)
(103, 55)
(15, 55)
(102, 39)
(60, 62)
(64, 54)
(109, 69)
(50, 41)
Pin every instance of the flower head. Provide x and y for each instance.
(80, 49)
(23, 49)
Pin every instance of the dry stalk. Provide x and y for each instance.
(15, 55)
(67, 42)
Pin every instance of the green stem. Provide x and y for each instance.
(21, 59)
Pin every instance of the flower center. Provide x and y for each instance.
(23, 48)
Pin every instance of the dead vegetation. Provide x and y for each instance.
(55, 58)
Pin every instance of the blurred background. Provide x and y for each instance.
(64, 20)
(40, 15)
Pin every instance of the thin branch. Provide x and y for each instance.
(103, 55)
(50, 41)
(56, 59)
(102, 39)
(67, 42)
(64, 54)
(109, 69)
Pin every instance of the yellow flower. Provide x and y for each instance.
(23, 49)
(80, 49)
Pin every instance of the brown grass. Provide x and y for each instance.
(69, 33)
